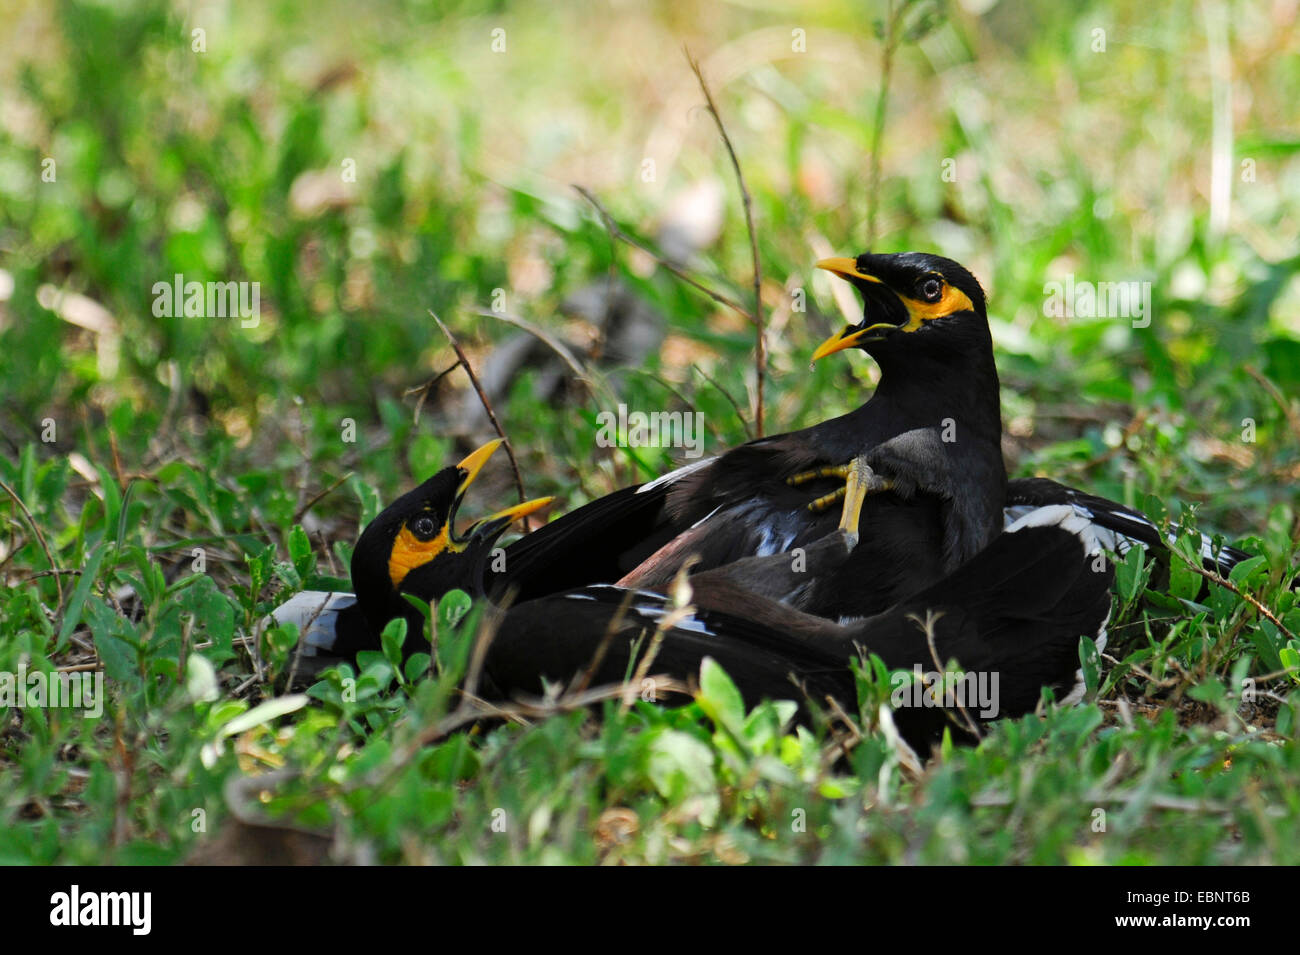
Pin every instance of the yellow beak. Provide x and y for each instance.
(473, 464)
(846, 268)
(474, 461)
(519, 510)
(845, 339)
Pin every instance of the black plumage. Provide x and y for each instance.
(1011, 618)
(932, 428)
(1016, 613)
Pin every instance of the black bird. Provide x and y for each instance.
(980, 615)
(411, 547)
(930, 435)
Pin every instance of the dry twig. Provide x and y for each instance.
(425, 389)
(1292, 418)
(40, 538)
(760, 346)
(612, 227)
(734, 403)
(931, 618)
(298, 514)
(487, 405)
(1251, 599)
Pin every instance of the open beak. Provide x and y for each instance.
(852, 335)
(848, 338)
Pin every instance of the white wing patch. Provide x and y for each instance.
(1105, 537)
(316, 614)
(656, 612)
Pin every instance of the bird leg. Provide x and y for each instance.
(856, 473)
(860, 482)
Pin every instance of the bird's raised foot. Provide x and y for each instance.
(856, 471)
(837, 471)
(859, 481)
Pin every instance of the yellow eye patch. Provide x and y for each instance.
(409, 552)
(952, 300)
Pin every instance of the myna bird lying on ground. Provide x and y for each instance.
(930, 436)
(1013, 619)
(410, 547)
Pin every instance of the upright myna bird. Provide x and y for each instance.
(930, 435)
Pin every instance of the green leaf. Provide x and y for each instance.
(300, 552)
(124, 513)
(369, 498)
(1211, 690)
(680, 765)
(1239, 573)
(264, 712)
(452, 607)
(1290, 659)
(72, 614)
(214, 616)
(1184, 582)
(201, 679)
(1131, 574)
(115, 641)
(392, 639)
(720, 699)
(112, 496)
(417, 665)
(1090, 663)
(1268, 643)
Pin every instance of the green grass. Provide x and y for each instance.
(164, 466)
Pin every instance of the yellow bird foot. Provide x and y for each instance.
(859, 481)
(803, 477)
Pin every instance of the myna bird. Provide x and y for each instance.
(930, 436)
(1012, 619)
(412, 547)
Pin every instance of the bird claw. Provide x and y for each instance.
(859, 481)
(826, 500)
(856, 470)
(803, 477)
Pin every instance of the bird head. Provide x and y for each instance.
(413, 546)
(907, 298)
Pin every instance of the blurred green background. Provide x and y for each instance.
(231, 164)
(367, 163)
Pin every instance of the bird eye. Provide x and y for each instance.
(424, 527)
(931, 290)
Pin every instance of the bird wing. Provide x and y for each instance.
(1117, 527)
